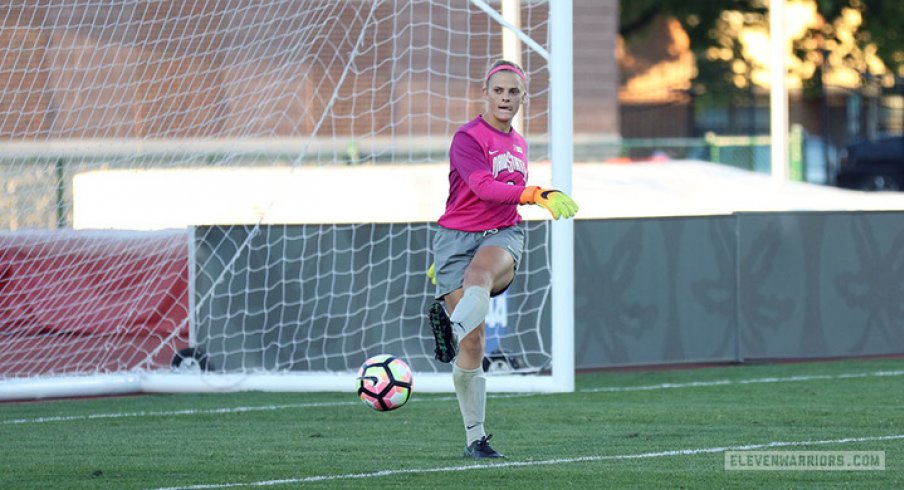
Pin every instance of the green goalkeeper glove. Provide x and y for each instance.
(556, 202)
(431, 273)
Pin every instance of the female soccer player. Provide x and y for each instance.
(479, 242)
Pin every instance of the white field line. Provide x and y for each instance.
(192, 411)
(559, 461)
(724, 382)
(612, 389)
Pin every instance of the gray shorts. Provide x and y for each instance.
(453, 251)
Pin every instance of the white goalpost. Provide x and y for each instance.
(220, 196)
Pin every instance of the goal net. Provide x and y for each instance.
(223, 195)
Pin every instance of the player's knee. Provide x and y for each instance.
(473, 343)
(476, 275)
(503, 281)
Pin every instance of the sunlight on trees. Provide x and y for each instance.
(840, 46)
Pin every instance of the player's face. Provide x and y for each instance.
(504, 94)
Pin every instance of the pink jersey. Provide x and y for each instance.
(488, 172)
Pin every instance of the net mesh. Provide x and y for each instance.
(186, 131)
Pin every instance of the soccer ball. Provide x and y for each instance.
(384, 382)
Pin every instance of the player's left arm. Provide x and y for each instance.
(467, 157)
(469, 161)
(559, 204)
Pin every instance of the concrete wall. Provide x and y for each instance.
(741, 287)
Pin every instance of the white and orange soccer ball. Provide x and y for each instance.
(384, 382)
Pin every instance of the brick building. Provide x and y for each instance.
(241, 68)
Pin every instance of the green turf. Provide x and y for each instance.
(183, 440)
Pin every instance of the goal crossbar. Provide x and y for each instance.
(163, 382)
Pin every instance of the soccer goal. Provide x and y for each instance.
(220, 196)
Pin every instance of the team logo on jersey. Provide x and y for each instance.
(506, 162)
(518, 149)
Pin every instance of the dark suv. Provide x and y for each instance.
(873, 165)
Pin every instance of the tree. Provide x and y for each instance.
(881, 22)
(847, 36)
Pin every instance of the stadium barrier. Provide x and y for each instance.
(729, 288)
(107, 301)
(740, 287)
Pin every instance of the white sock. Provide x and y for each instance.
(471, 390)
(470, 312)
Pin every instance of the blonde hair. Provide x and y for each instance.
(504, 65)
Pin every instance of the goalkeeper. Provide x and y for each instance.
(478, 245)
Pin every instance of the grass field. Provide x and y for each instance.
(640, 429)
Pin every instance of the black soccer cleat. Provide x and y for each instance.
(481, 449)
(442, 333)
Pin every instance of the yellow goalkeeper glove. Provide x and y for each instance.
(556, 202)
(431, 273)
